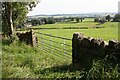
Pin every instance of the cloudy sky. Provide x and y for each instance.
(74, 6)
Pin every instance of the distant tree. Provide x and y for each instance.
(96, 19)
(108, 17)
(77, 19)
(116, 18)
(56, 19)
(49, 20)
(102, 20)
(44, 20)
(72, 19)
(35, 22)
(82, 19)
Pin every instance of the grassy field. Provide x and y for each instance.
(109, 32)
(20, 60)
(87, 23)
(23, 61)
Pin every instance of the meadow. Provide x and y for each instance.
(106, 31)
(22, 61)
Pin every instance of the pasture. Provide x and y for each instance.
(106, 31)
(87, 23)
(20, 60)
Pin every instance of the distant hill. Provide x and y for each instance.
(74, 15)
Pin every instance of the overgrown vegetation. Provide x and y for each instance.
(20, 60)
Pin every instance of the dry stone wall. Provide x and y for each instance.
(86, 49)
(28, 37)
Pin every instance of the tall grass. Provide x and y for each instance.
(23, 61)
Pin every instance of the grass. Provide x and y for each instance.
(109, 32)
(20, 60)
(23, 61)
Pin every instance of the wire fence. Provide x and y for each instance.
(60, 47)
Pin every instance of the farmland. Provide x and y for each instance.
(106, 31)
(20, 60)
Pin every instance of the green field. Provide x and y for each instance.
(68, 25)
(23, 61)
(107, 31)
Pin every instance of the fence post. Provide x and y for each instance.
(75, 53)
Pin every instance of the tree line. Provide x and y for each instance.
(51, 20)
(108, 18)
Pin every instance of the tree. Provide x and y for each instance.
(44, 20)
(49, 20)
(14, 13)
(96, 20)
(108, 17)
(7, 22)
(102, 20)
(77, 19)
(116, 18)
(72, 19)
(35, 22)
(82, 19)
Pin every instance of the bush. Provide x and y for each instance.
(77, 19)
(116, 18)
(49, 20)
(103, 69)
(96, 20)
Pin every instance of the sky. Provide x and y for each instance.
(49, 7)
